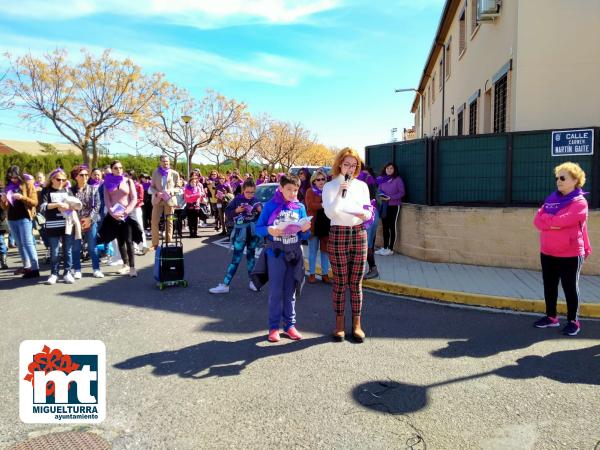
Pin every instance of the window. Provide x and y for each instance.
(448, 58)
(433, 89)
(473, 117)
(446, 129)
(500, 88)
(474, 22)
(462, 42)
(459, 123)
(441, 73)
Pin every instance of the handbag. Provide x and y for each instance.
(39, 220)
(322, 224)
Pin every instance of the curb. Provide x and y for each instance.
(589, 310)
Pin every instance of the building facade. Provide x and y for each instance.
(535, 66)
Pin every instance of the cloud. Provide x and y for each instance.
(199, 13)
(257, 67)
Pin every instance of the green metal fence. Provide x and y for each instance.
(513, 169)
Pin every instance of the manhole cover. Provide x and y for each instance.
(69, 440)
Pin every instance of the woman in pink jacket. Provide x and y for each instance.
(562, 222)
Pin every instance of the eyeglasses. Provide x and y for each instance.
(83, 175)
(61, 180)
(319, 179)
(561, 178)
(350, 166)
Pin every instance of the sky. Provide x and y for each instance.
(332, 65)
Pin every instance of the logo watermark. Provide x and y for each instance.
(62, 381)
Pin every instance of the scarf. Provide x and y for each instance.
(94, 183)
(112, 182)
(366, 177)
(383, 179)
(14, 187)
(146, 185)
(556, 201)
(281, 203)
(163, 172)
(317, 191)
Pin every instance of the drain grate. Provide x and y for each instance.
(68, 440)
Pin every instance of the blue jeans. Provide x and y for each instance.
(372, 231)
(90, 238)
(3, 248)
(22, 231)
(68, 241)
(282, 292)
(313, 248)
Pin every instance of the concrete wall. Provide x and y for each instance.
(558, 64)
(498, 237)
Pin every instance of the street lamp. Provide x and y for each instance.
(420, 97)
(186, 132)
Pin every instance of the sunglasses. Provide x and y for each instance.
(61, 180)
(561, 178)
(83, 175)
(319, 179)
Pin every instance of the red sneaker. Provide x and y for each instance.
(273, 335)
(293, 333)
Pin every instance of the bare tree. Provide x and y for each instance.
(84, 101)
(240, 141)
(207, 120)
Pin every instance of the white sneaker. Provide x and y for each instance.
(123, 270)
(68, 278)
(118, 262)
(381, 251)
(132, 272)
(252, 287)
(388, 252)
(220, 289)
(77, 275)
(51, 279)
(98, 274)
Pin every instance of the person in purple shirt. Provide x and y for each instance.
(389, 194)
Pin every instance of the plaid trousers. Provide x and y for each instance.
(347, 254)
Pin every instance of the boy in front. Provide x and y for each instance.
(284, 254)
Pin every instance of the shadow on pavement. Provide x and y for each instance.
(216, 358)
(573, 367)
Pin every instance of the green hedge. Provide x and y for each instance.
(47, 163)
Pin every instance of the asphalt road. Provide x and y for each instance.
(187, 369)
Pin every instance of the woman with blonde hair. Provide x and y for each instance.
(346, 203)
(564, 242)
(320, 224)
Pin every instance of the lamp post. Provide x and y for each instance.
(421, 99)
(186, 132)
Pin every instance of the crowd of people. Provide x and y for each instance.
(106, 213)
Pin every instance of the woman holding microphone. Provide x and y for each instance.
(346, 203)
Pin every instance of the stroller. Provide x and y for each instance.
(168, 261)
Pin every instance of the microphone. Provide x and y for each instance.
(345, 191)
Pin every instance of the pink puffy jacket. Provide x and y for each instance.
(564, 234)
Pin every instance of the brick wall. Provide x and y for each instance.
(499, 237)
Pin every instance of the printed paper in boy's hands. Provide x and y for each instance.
(290, 228)
(117, 208)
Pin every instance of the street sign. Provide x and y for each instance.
(573, 142)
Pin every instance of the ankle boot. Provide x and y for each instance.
(339, 333)
(357, 333)
(3, 264)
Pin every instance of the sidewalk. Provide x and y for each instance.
(516, 289)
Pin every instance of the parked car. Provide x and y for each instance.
(266, 191)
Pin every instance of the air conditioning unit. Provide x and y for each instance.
(488, 10)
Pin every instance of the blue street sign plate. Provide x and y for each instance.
(573, 142)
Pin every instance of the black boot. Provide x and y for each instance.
(3, 264)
